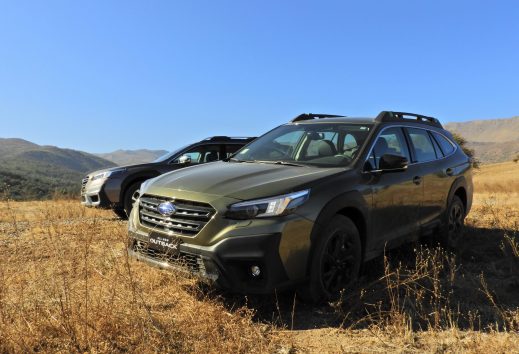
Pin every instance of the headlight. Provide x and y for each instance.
(107, 174)
(262, 208)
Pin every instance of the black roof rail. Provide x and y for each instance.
(389, 116)
(308, 116)
(226, 138)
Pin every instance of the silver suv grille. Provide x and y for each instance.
(84, 182)
(190, 217)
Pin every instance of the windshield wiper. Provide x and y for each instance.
(284, 163)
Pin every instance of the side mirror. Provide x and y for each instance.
(184, 159)
(392, 163)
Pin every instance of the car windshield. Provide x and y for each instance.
(321, 144)
(169, 155)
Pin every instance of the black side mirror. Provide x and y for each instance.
(392, 163)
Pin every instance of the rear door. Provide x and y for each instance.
(397, 196)
(437, 176)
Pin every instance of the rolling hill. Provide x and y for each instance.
(130, 157)
(493, 140)
(31, 171)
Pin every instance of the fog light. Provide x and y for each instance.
(255, 271)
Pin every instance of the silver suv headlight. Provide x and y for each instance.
(107, 174)
(262, 208)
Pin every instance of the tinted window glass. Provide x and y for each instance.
(201, 154)
(439, 153)
(391, 141)
(445, 144)
(423, 148)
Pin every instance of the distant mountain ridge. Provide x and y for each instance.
(31, 171)
(493, 140)
(132, 157)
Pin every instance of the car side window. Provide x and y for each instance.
(422, 144)
(445, 145)
(391, 141)
(201, 154)
(437, 149)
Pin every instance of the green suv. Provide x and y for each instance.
(306, 204)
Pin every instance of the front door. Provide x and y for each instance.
(397, 196)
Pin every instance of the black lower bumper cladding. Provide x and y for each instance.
(229, 264)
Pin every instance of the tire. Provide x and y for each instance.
(336, 261)
(120, 213)
(453, 224)
(128, 198)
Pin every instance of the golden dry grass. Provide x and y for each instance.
(67, 285)
(501, 179)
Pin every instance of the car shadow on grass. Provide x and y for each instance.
(476, 286)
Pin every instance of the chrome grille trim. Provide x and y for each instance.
(188, 220)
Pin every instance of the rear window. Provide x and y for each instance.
(445, 144)
(423, 147)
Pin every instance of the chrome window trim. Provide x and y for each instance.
(415, 127)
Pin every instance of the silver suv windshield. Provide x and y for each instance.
(171, 154)
(321, 144)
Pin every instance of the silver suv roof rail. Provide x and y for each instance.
(390, 116)
(226, 138)
(308, 116)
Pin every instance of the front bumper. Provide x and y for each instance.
(227, 264)
(223, 251)
(94, 198)
(102, 193)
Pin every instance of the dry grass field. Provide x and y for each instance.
(67, 285)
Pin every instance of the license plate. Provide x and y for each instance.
(164, 244)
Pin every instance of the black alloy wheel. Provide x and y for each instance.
(455, 222)
(452, 230)
(335, 262)
(338, 264)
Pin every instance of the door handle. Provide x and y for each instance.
(417, 180)
(449, 171)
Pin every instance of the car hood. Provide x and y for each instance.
(239, 180)
(125, 167)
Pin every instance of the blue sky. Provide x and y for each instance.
(103, 75)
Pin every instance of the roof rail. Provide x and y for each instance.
(308, 116)
(225, 138)
(389, 116)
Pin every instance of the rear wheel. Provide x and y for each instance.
(335, 262)
(454, 223)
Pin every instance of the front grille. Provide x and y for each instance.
(190, 217)
(84, 182)
(189, 261)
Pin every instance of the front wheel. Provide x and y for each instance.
(121, 214)
(129, 197)
(335, 261)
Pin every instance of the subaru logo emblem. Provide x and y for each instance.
(167, 209)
